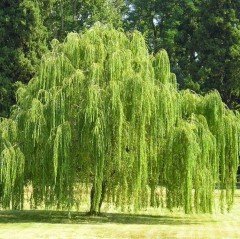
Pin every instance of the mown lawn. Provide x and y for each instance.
(160, 224)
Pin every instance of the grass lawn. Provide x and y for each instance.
(159, 224)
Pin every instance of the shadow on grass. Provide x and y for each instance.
(41, 216)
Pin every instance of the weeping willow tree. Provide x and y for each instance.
(105, 113)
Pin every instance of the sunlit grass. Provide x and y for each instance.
(160, 224)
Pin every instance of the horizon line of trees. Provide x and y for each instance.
(202, 38)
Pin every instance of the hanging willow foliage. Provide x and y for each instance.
(103, 112)
(12, 163)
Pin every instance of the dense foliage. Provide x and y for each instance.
(201, 37)
(104, 113)
(22, 42)
(68, 16)
(218, 49)
(27, 27)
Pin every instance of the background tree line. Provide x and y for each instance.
(202, 38)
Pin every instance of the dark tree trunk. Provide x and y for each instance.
(104, 190)
(92, 207)
(95, 205)
(152, 197)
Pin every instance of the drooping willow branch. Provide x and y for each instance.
(103, 112)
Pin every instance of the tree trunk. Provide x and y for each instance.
(104, 189)
(74, 7)
(152, 197)
(97, 198)
(62, 17)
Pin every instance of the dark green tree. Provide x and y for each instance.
(217, 48)
(22, 42)
(156, 20)
(76, 15)
(202, 38)
(169, 25)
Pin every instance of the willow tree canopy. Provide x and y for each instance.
(103, 112)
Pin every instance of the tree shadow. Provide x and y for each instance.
(42, 216)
